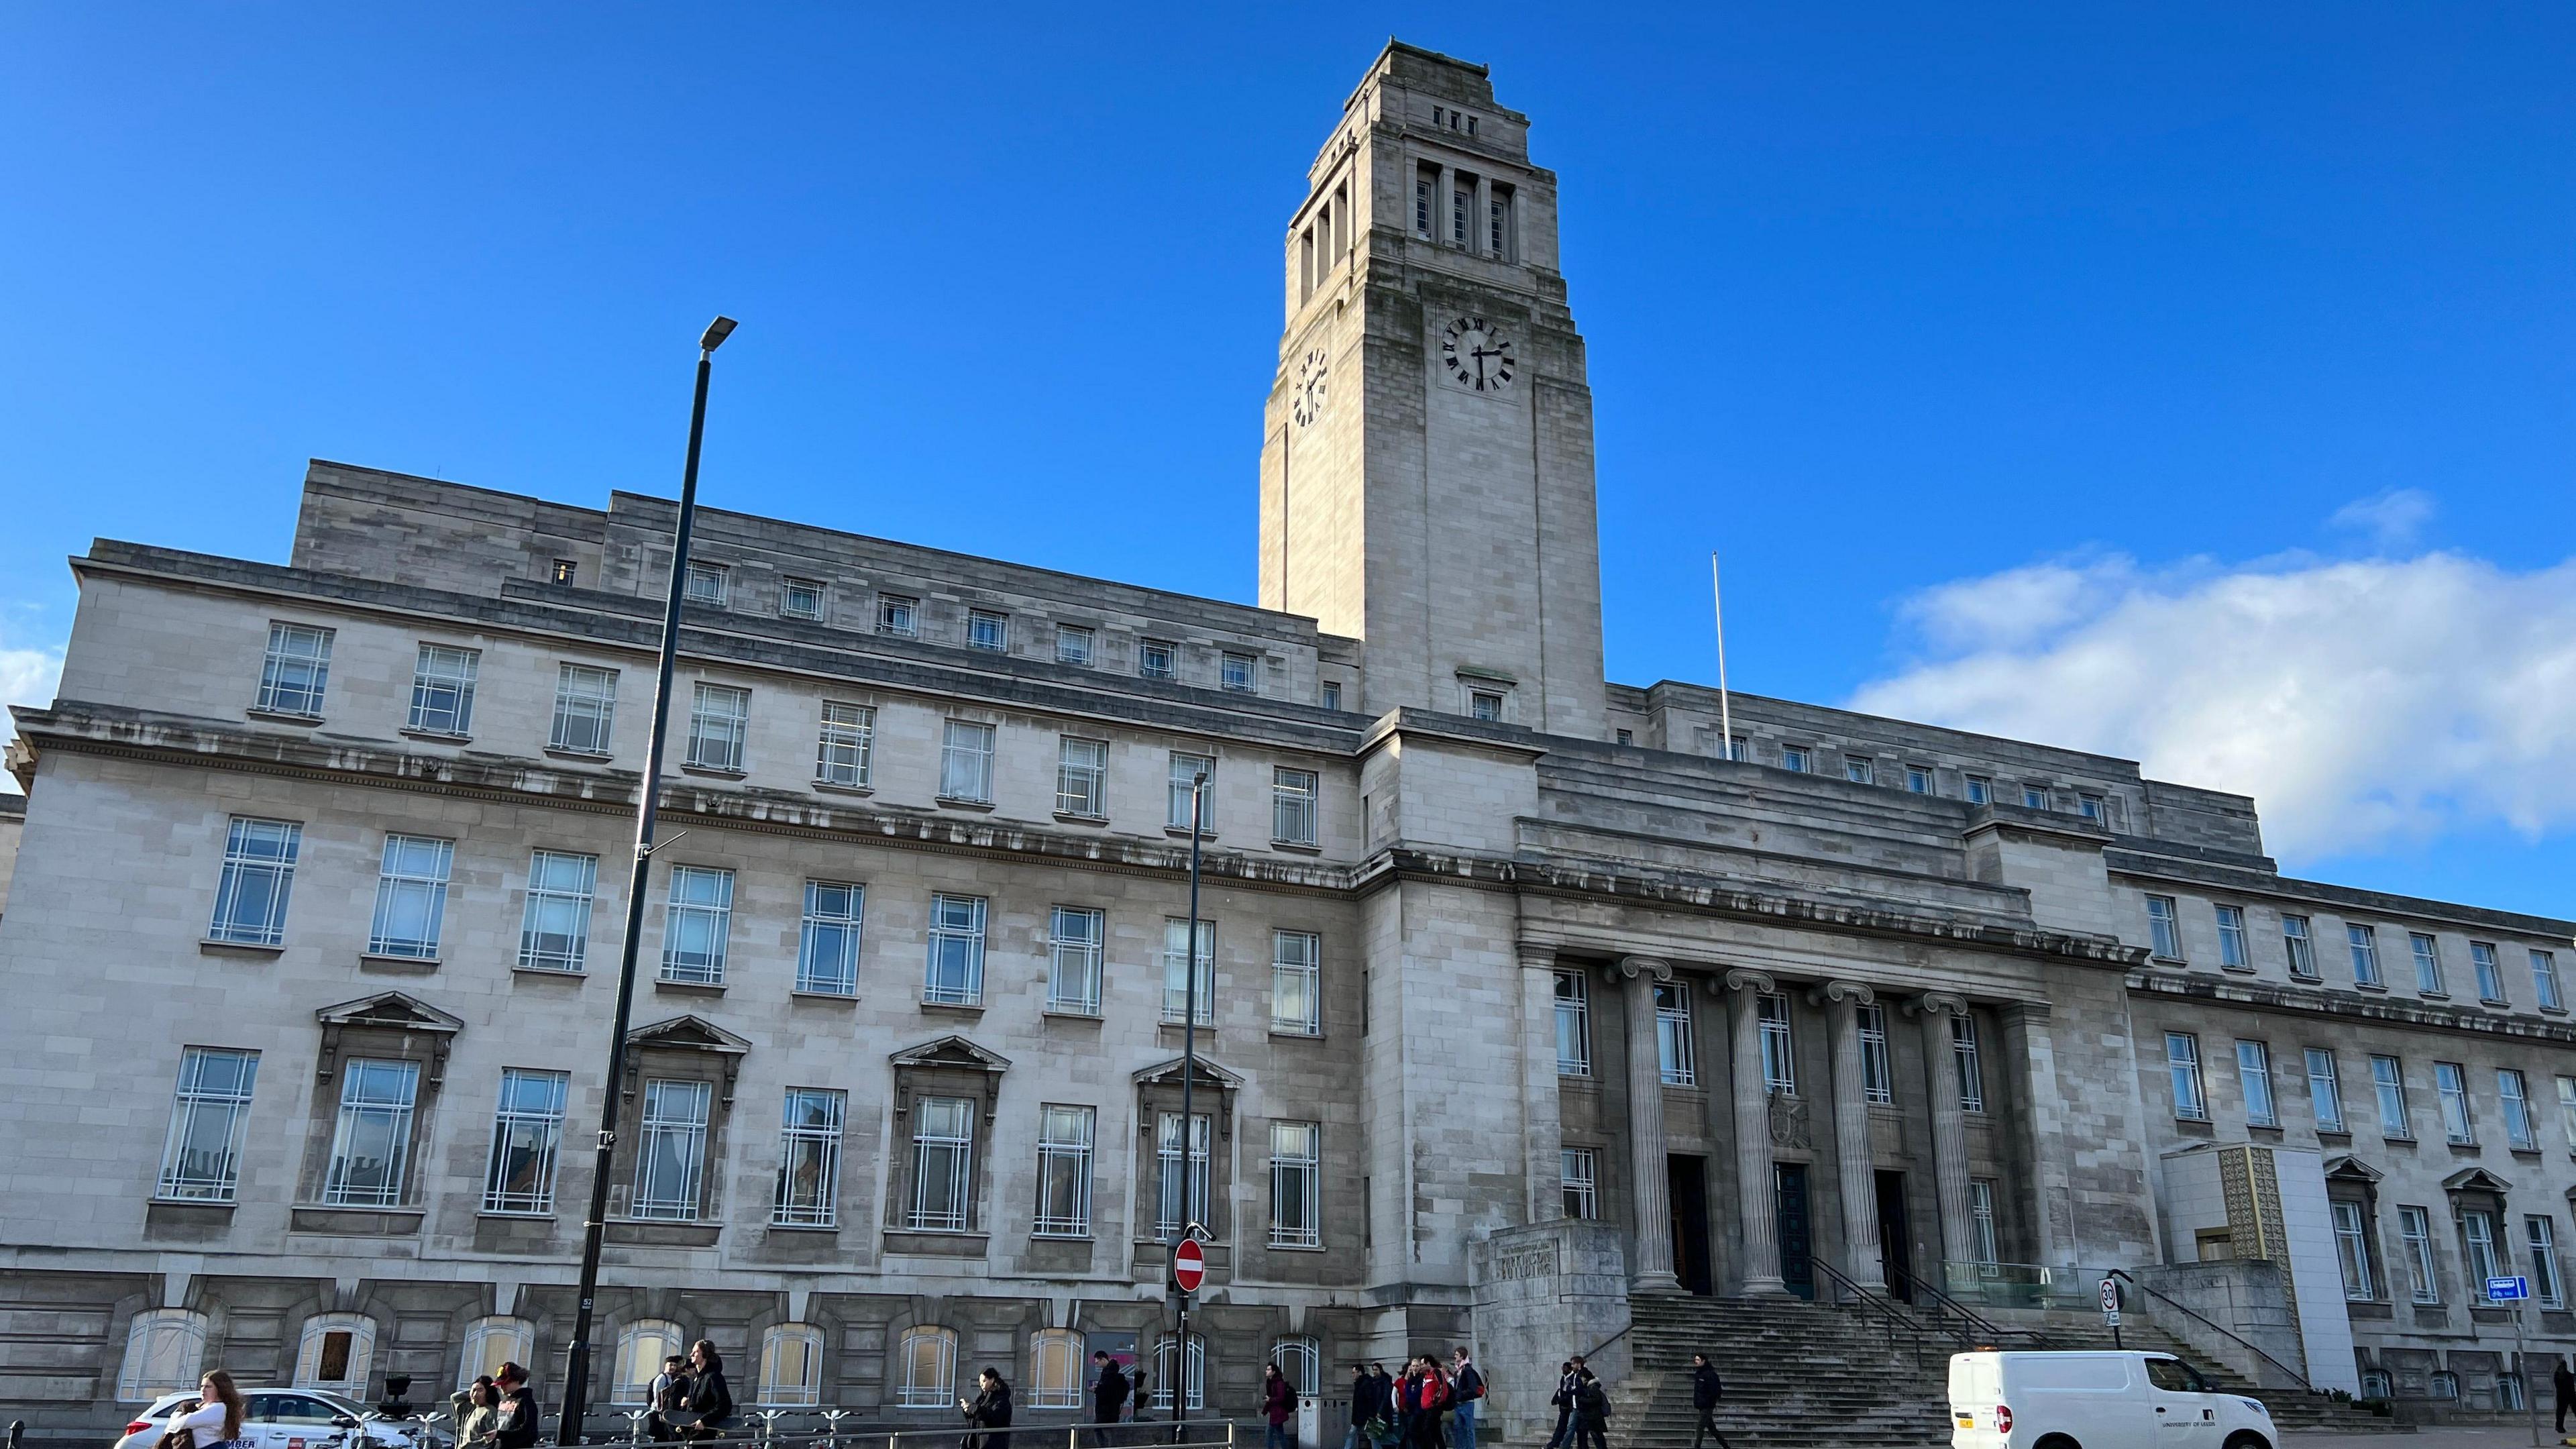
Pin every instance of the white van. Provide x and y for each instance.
(2097, 1401)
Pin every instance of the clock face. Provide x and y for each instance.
(1309, 402)
(1475, 354)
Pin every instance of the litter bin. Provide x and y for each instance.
(1310, 1422)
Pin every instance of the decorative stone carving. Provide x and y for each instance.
(1789, 1121)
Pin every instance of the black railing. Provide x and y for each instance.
(1894, 1319)
(2249, 1345)
(1972, 1327)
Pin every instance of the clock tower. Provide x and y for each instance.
(1426, 466)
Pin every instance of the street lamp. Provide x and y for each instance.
(594, 1228)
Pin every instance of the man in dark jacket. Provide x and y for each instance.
(2562, 1386)
(1363, 1390)
(1705, 1392)
(1382, 1399)
(1108, 1393)
(1563, 1399)
(1591, 1410)
(515, 1425)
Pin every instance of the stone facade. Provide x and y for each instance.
(1529, 993)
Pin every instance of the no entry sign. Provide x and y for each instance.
(1189, 1265)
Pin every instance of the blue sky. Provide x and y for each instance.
(2186, 382)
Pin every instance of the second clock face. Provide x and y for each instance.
(1309, 403)
(1475, 354)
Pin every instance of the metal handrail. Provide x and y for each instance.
(2185, 1308)
(1894, 1317)
(1605, 1343)
(1969, 1319)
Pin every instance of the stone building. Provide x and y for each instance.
(1524, 993)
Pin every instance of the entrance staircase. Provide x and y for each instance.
(1805, 1373)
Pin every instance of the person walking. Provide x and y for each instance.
(1382, 1396)
(474, 1421)
(217, 1419)
(1278, 1405)
(989, 1410)
(515, 1423)
(710, 1397)
(668, 1395)
(1591, 1410)
(1108, 1394)
(1466, 1391)
(1563, 1400)
(1358, 1436)
(2562, 1387)
(1706, 1390)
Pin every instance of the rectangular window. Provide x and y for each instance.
(899, 615)
(1185, 770)
(719, 721)
(297, 670)
(1738, 748)
(1918, 779)
(1794, 758)
(2567, 1110)
(2164, 929)
(827, 946)
(1498, 211)
(2090, 807)
(1964, 1059)
(2325, 1089)
(1064, 1172)
(801, 599)
(371, 1140)
(565, 571)
(1292, 806)
(1234, 672)
(844, 745)
(2541, 1234)
(209, 1116)
(585, 709)
(1074, 941)
(2415, 1235)
(697, 924)
(2519, 1134)
(2182, 1064)
(2254, 1078)
(1082, 778)
(2428, 962)
(1676, 1056)
(1877, 1072)
(954, 975)
(2490, 975)
(2364, 941)
(259, 873)
(1333, 695)
(2451, 1081)
(1177, 975)
(1423, 183)
(1574, 1032)
(554, 926)
(966, 762)
(1296, 995)
(1296, 1177)
(2477, 1236)
(2544, 981)
(987, 629)
(707, 583)
(1979, 789)
(411, 897)
(527, 1138)
(1484, 704)
(2034, 797)
(1171, 1213)
(442, 689)
(1981, 1219)
(1581, 1172)
(1154, 660)
(2231, 938)
(2388, 1083)
(2352, 1251)
(2300, 946)
(809, 1159)
(1461, 193)
(1779, 1058)
(1073, 645)
(1860, 771)
(943, 1159)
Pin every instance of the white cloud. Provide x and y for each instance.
(27, 676)
(2361, 703)
(2391, 518)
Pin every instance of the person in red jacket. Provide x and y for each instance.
(1278, 1403)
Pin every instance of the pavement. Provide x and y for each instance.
(2431, 1437)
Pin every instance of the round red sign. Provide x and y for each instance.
(1189, 1265)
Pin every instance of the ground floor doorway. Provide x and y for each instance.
(1791, 1219)
(1895, 1237)
(1689, 1197)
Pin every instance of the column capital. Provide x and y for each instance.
(1839, 991)
(1646, 966)
(1745, 978)
(1537, 955)
(1937, 1003)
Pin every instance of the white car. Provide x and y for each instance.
(2097, 1401)
(293, 1419)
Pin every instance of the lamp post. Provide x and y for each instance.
(1184, 1223)
(577, 1365)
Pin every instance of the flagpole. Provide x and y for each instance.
(1725, 713)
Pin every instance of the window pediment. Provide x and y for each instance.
(2352, 1169)
(723, 1050)
(954, 1053)
(2476, 1179)
(1209, 1074)
(390, 1013)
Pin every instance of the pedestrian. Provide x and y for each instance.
(1278, 1405)
(1706, 1390)
(1591, 1410)
(1361, 1385)
(989, 1410)
(2562, 1384)
(709, 1396)
(668, 1395)
(514, 1424)
(1382, 1392)
(1108, 1393)
(1466, 1390)
(217, 1419)
(482, 1402)
(1563, 1400)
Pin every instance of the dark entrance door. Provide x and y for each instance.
(1789, 1218)
(1689, 1179)
(1895, 1237)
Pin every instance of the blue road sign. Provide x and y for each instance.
(2505, 1290)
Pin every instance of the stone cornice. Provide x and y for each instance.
(2348, 1006)
(1501, 739)
(2251, 882)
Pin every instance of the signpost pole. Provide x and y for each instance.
(1188, 1228)
(2111, 1308)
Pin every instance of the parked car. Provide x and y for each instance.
(2097, 1401)
(294, 1419)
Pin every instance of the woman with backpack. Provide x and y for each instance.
(709, 1395)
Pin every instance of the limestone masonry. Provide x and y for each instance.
(1526, 994)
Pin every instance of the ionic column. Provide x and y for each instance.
(1653, 1192)
(1949, 1124)
(1852, 1163)
(1756, 1192)
(1542, 1124)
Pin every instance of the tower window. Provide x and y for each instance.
(1426, 182)
(1462, 196)
(1498, 223)
(1306, 266)
(1438, 115)
(565, 571)
(1471, 125)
